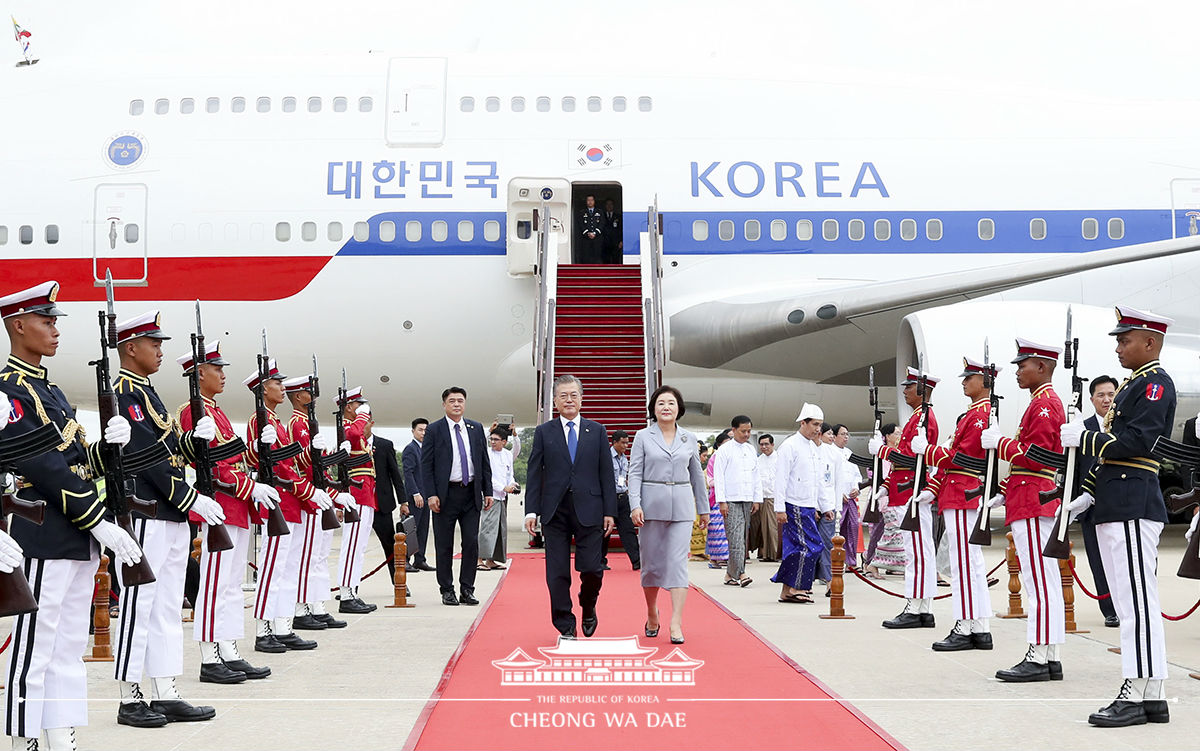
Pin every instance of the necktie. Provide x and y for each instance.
(572, 439)
(462, 453)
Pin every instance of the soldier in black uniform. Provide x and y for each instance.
(1129, 512)
(613, 244)
(46, 680)
(11, 555)
(149, 632)
(591, 225)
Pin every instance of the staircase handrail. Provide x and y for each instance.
(546, 274)
(652, 300)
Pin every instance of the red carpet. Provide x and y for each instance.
(724, 688)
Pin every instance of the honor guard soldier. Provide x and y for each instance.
(591, 224)
(149, 632)
(920, 571)
(1030, 520)
(313, 580)
(955, 489)
(11, 554)
(279, 561)
(47, 683)
(356, 417)
(219, 622)
(1129, 512)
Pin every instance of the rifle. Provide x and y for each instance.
(1058, 545)
(317, 462)
(119, 494)
(16, 597)
(276, 524)
(218, 536)
(912, 515)
(344, 482)
(982, 533)
(872, 514)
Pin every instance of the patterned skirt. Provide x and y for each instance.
(890, 552)
(717, 546)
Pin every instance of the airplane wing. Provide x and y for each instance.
(711, 334)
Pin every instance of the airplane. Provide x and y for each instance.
(818, 216)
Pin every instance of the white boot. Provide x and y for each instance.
(1052, 652)
(980, 626)
(1156, 690)
(131, 693)
(1036, 653)
(924, 605)
(60, 739)
(165, 690)
(282, 626)
(263, 627)
(1133, 689)
(317, 608)
(228, 650)
(24, 744)
(347, 594)
(302, 609)
(208, 653)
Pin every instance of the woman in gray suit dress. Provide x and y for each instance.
(666, 492)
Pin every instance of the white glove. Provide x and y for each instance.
(208, 510)
(919, 444)
(205, 429)
(997, 500)
(11, 555)
(265, 494)
(344, 446)
(348, 501)
(874, 445)
(925, 496)
(1078, 506)
(1191, 528)
(363, 409)
(1196, 427)
(322, 499)
(1071, 433)
(990, 437)
(118, 541)
(319, 442)
(117, 432)
(881, 496)
(269, 436)
(5, 411)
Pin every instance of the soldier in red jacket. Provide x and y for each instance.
(357, 419)
(1031, 521)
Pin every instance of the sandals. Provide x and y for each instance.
(743, 582)
(732, 583)
(797, 599)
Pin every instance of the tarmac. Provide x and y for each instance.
(365, 686)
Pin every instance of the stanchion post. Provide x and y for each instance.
(191, 616)
(101, 643)
(837, 586)
(1068, 589)
(1014, 581)
(400, 580)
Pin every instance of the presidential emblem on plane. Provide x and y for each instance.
(125, 150)
(615, 661)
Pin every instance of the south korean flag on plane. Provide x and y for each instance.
(594, 154)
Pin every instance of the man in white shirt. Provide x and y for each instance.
(799, 496)
(768, 549)
(493, 522)
(628, 533)
(837, 486)
(739, 493)
(849, 478)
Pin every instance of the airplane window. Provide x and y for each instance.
(161, 106)
(137, 107)
(568, 104)
(178, 233)
(543, 104)
(283, 232)
(1116, 228)
(289, 104)
(51, 234)
(645, 104)
(491, 230)
(25, 234)
(856, 230)
(466, 104)
(619, 104)
(933, 229)
(412, 231)
(1091, 229)
(778, 230)
(466, 231)
(257, 232)
(439, 231)
(362, 232)
(131, 233)
(231, 232)
(212, 105)
(829, 229)
(725, 230)
(314, 104)
(308, 231)
(908, 229)
(752, 230)
(238, 104)
(804, 230)
(204, 233)
(334, 233)
(518, 104)
(1037, 229)
(699, 230)
(593, 104)
(365, 104)
(339, 104)
(387, 232)
(987, 229)
(263, 104)
(883, 229)
(187, 106)
(492, 104)
(3, 235)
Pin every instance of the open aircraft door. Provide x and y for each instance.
(526, 195)
(1185, 206)
(119, 234)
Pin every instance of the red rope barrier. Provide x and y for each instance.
(1075, 574)
(888, 591)
(6, 643)
(375, 570)
(998, 565)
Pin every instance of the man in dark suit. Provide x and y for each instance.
(410, 459)
(572, 487)
(457, 474)
(389, 487)
(1103, 389)
(613, 243)
(591, 236)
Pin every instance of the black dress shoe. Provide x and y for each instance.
(370, 606)
(904, 620)
(1119, 714)
(269, 644)
(1156, 710)
(293, 641)
(422, 566)
(981, 641)
(589, 624)
(1055, 667)
(1112, 621)
(219, 672)
(927, 620)
(137, 714)
(328, 620)
(178, 710)
(569, 634)
(448, 598)
(308, 623)
(637, 567)
(354, 607)
(1025, 671)
(251, 672)
(467, 598)
(955, 642)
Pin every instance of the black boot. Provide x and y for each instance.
(330, 621)
(308, 622)
(904, 620)
(1126, 710)
(178, 710)
(269, 644)
(955, 642)
(1025, 671)
(138, 715)
(292, 641)
(220, 672)
(982, 641)
(249, 670)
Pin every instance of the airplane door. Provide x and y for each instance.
(119, 234)
(416, 101)
(1185, 206)
(525, 196)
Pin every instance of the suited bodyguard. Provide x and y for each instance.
(410, 460)
(389, 487)
(572, 488)
(456, 473)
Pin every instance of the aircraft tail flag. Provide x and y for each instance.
(22, 36)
